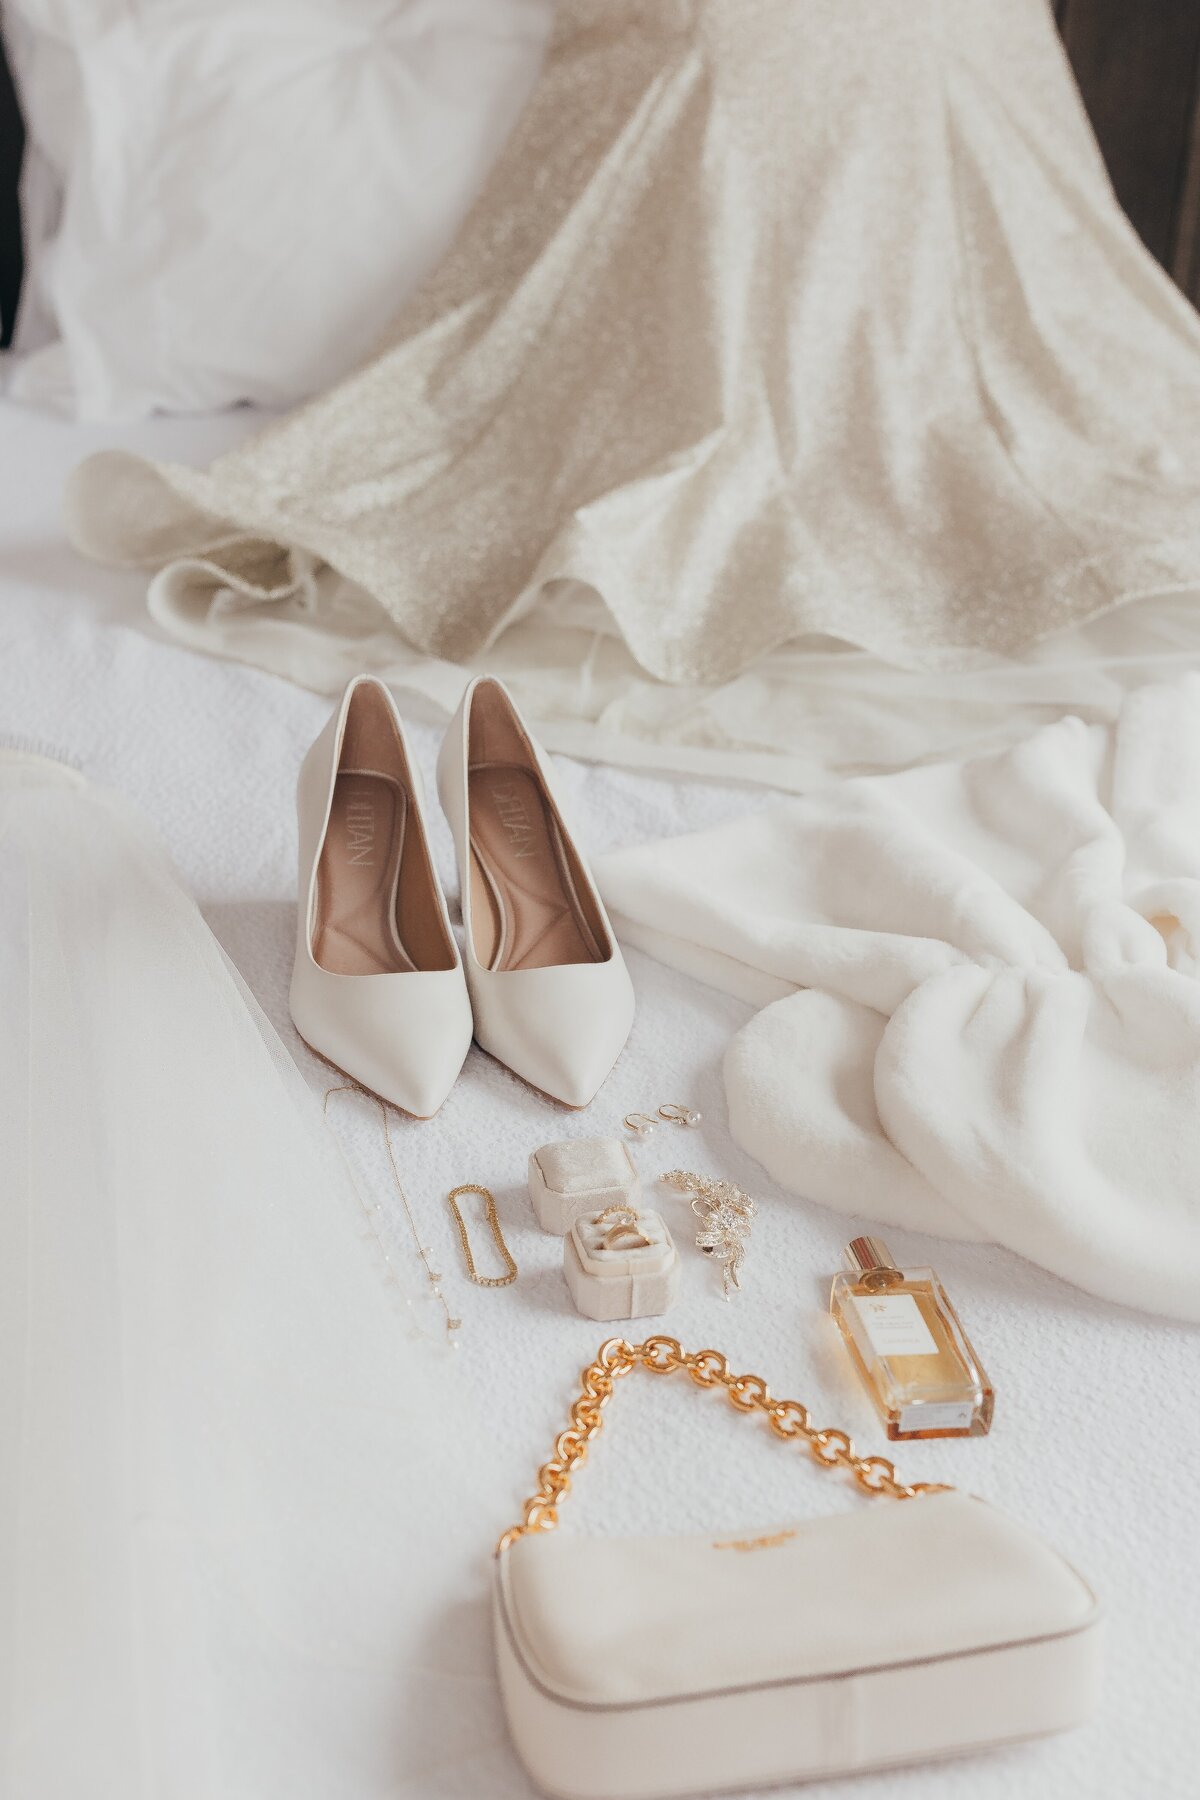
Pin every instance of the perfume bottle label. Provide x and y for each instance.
(894, 1325)
(937, 1415)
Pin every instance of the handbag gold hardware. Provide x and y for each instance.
(788, 1419)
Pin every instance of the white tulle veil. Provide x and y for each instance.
(217, 1421)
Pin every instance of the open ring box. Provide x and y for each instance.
(621, 1268)
(580, 1175)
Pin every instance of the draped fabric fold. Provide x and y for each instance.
(979, 990)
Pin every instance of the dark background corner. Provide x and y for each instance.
(12, 143)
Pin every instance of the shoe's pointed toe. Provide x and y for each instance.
(560, 1029)
(404, 1037)
(428, 1083)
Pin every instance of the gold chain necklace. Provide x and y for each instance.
(489, 1212)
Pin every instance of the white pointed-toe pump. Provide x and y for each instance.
(549, 987)
(377, 985)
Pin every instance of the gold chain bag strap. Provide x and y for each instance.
(788, 1419)
(668, 1666)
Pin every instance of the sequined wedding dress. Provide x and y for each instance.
(776, 324)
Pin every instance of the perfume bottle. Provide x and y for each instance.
(905, 1340)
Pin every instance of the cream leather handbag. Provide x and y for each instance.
(638, 1669)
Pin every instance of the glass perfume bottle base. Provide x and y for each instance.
(902, 1432)
(934, 1419)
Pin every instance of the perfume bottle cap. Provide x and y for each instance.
(864, 1254)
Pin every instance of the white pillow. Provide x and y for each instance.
(254, 187)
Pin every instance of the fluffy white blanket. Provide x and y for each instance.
(981, 1013)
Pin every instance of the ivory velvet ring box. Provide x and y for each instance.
(621, 1264)
(578, 1176)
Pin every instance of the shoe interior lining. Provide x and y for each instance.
(530, 903)
(377, 905)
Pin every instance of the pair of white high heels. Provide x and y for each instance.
(379, 987)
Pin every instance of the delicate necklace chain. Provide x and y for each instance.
(432, 1275)
(489, 1212)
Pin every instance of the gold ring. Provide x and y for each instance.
(611, 1238)
(617, 1212)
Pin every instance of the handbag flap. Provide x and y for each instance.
(627, 1621)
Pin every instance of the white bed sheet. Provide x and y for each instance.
(1094, 1442)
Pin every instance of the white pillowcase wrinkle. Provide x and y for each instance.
(255, 189)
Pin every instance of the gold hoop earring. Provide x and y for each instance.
(679, 1114)
(642, 1123)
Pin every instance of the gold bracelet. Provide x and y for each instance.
(489, 1212)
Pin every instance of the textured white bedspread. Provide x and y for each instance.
(1095, 1441)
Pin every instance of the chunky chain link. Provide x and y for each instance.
(788, 1419)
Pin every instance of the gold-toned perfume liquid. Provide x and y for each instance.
(910, 1350)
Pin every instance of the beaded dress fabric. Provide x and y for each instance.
(773, 321)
